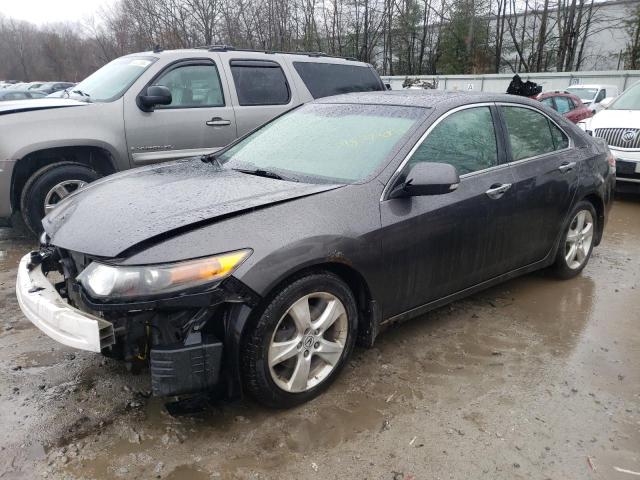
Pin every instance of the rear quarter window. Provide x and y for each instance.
(325, 79)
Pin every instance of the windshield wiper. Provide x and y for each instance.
(261, 172)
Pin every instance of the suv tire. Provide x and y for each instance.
(40, 189)
(322, 349)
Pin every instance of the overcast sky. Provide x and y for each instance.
(45, 11)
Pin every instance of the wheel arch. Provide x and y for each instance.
(598, 204)
(96, 157)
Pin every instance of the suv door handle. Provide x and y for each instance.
(496, 191)
(218, 122)
(566, 166)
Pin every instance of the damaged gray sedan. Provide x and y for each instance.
(257, 269)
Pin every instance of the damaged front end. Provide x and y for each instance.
(174, 317)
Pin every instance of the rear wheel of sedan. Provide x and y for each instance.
(48, 186)
(300, 342)
(577, 241)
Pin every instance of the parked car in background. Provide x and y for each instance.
(619, 126)
(594, 96)
(51, 87)
(566, 104)
(11, 94)
(153, 107)
(34, 85)
(245, 271)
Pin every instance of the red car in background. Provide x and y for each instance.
(566, 104)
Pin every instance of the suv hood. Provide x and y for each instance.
(15, 106)
(114, 214)
(615, 119)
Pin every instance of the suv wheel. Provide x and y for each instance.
(577, 241)
(48, 186)
(300, 342)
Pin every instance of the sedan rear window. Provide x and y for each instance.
(326, 142)
(531, 133)
(325, 79)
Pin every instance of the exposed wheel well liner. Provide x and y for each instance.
(97, 158)
(598, 204)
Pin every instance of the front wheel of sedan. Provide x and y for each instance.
(577, 241)
(299, 344)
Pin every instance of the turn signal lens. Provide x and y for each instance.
(124, 282)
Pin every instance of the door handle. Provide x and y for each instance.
(566, 166)
(218, 122)
(496, 191)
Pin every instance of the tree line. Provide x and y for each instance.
(399, 37)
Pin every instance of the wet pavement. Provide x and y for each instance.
(536, 378)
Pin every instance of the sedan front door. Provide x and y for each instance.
(199, 120)
(438, 245)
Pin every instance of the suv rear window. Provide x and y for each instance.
(259, 82)
(324, 79)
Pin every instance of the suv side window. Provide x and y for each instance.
(325, 79)
(465, 139)
(260, 82)
(531, 133)
(601, 95)
(192, 85)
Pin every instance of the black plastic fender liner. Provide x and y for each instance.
(236, 320)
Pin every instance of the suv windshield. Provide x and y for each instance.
(629, 100)
(583, 93)
(325, 142)
(112, 80)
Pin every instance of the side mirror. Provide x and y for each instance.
(155, 95)
(605, 102)
(387, 86)
(426, 178)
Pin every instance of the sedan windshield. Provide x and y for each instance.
(325, 142)
(583, 93)
(629, 100)
(112, 80)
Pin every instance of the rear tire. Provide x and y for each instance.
(43, 187)
(577, 241)
(286, 360)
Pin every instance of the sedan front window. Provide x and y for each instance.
(326, 142)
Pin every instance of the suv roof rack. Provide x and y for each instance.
(226, 48)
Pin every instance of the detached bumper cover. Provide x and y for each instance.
(47, 310)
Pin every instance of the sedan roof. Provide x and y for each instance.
(425, 98)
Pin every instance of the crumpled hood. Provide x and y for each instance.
(116, 213)
(16, 106)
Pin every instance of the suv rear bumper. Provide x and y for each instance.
(47, 310)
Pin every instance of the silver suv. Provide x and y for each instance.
(154, 107)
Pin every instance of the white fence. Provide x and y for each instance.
(498, 83)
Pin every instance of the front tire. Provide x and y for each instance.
(300, 342)
(48, 186)
(577, 241)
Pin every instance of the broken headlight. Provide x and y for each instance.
(127, 282)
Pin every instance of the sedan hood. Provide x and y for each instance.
(119, 212)
(15, 106)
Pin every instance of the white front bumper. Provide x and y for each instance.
(47, 310)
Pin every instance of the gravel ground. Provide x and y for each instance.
(536, 378)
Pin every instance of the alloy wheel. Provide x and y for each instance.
(579, 239)
(60, 191)
(308, 342)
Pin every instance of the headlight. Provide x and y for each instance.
(124, 282)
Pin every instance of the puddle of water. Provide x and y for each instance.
(187, 472)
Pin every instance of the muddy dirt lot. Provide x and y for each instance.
(536, 378)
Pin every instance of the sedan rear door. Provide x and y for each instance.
(545, 166)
